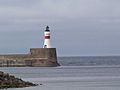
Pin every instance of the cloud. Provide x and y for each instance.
(90, 25)
(26, 11)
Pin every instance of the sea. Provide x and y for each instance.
(75, 73)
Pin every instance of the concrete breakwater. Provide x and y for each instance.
(10, 81)
(37, 57)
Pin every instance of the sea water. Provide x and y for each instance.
(75, 73)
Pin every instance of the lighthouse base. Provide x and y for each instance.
(38, 57)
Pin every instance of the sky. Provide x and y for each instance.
(78, 27)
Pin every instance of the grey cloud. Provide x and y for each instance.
(82, 27)
(46, 10)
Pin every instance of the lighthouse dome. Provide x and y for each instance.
(47, 29)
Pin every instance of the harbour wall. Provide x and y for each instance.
(37, 57)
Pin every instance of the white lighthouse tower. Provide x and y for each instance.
(47, 43)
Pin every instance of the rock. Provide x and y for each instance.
(41, 84)
(10, 81)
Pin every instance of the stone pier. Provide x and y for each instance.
(37, 57)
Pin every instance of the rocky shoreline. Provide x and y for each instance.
(10, 81)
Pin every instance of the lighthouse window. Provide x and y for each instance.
(45, 46)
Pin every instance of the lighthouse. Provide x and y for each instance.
(47, 43)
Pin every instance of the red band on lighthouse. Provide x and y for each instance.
(47, 37)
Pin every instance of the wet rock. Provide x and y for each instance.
(41, 84)
(10, 81)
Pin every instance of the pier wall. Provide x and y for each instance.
(37, 57)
